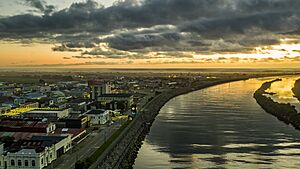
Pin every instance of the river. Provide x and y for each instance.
(219, 127)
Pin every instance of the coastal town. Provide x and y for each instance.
(56, 123)
(41, 122)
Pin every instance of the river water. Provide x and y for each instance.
(219, 127)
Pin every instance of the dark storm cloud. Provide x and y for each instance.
(41, 6)
(143, 39)
(271, 21)
(206, 26)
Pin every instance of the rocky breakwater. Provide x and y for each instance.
(296, 89)
(283, 111)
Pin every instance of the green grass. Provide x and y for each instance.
(93, 158)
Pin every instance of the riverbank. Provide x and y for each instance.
(296, 89)
(283, 111)
(124, 150)
(151, 110)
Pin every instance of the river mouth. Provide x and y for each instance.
(219, 127)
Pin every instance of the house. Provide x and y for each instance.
(98, 116)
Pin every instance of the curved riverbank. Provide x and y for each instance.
(123, 151)
(283, 111)
(151, 110)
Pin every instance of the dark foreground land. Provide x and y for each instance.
(283, 111)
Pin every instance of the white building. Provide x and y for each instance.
(98, 116)
(40, 151)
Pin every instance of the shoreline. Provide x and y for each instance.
(153, 107)
(123, 152)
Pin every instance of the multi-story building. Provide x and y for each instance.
(122, 97)
(98, 89)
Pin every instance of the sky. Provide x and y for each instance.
(150, 33)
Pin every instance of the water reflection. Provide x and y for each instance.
(219, 127)
(283, 91)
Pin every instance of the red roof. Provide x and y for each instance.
(17, 123)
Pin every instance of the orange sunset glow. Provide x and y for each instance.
(91, 34)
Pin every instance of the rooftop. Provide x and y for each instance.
(116, 95)
(72, 131)
(48, 140)
(99, 111)
(23, 124)
(45, 111)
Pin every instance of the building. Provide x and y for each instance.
(18, 125)
(29, 105)
(35, 96)
(35, 153)
(74, 122)
(78, 105)
(62, 144)
(45, 89)
(127, 99)
(98, 116)
(51, 114)
(75, 133)
(98, 89)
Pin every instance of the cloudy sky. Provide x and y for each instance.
(150, 33)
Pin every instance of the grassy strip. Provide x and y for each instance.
(93, 158)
